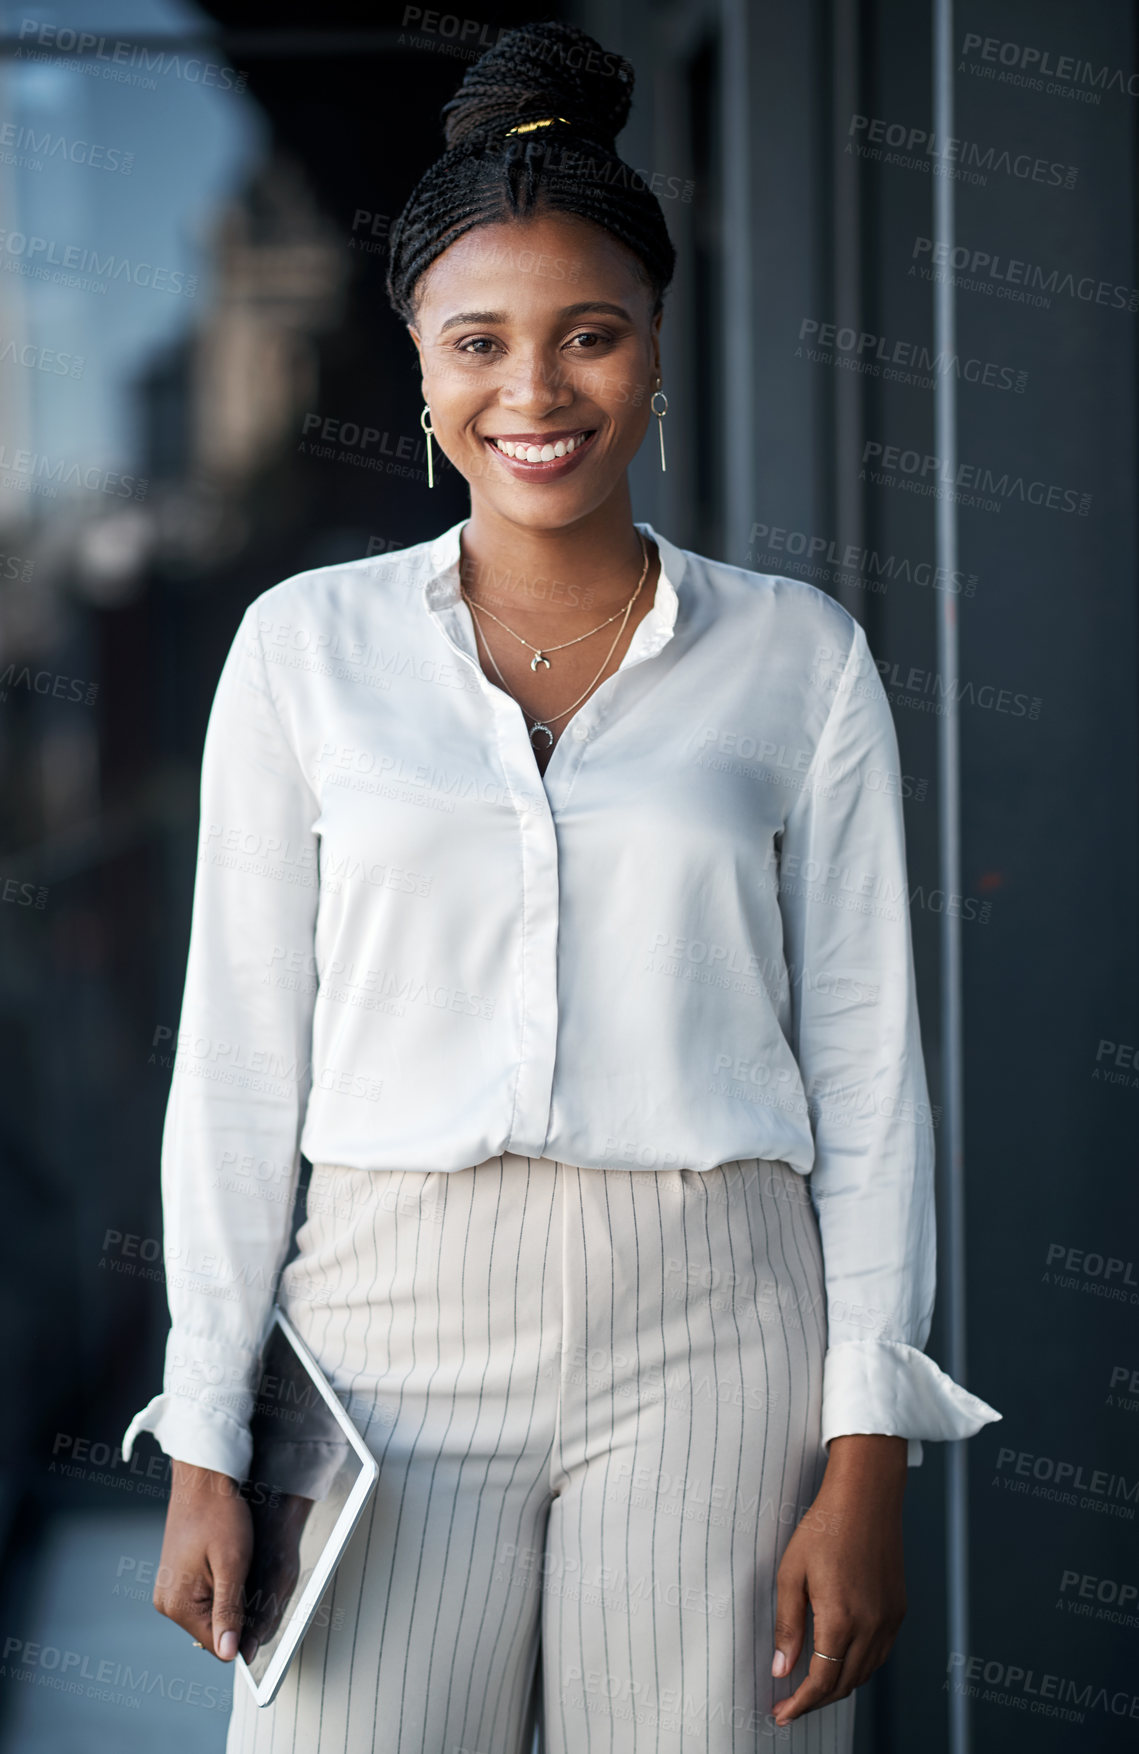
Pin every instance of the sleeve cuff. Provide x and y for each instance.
(202, 1415)
(885, 1386)
(190, 1432)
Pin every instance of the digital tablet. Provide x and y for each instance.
(310, 1477)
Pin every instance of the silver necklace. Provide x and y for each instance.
(543, 725)
(540, 658)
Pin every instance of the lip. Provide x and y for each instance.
(557, 466)
(536, 438)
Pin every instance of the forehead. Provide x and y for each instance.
(552, 259)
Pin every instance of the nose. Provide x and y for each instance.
(535, 384)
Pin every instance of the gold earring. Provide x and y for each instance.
(660, 414)
(428, 430)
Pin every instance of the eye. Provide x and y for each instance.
(480, 346)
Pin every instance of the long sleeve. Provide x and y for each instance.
(241, 1070)
(856, 1036)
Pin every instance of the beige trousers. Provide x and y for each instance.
(595, 1399)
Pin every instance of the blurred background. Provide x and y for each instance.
(193, 220)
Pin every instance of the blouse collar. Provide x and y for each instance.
(441, 587)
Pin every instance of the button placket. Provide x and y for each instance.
(536, 798)
(538, 851)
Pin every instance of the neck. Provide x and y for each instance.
(563, 576)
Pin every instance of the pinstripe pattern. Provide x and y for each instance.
(595, 1397)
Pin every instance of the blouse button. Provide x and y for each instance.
(580, 733)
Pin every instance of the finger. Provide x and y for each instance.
(825, 1682)
(874, 1655)
(228, 1616)
(187, 1600)
(194, 1618)
(790, 1616)
(808, 1696)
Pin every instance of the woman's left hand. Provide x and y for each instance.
(845, 1559)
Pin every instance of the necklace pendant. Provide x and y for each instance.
(546, 732)
(539, 659)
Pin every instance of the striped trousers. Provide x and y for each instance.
(595, 1399)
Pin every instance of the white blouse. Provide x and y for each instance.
(687, 942)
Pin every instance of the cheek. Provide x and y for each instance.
(626, 392)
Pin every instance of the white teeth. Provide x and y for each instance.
(539, 453)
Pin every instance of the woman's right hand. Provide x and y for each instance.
(206, 1551)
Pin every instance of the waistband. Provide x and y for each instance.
(517, 1160)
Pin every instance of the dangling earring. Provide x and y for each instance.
(660, 414)
(428, 430)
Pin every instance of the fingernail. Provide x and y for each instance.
(779, 1663)
(227, 1646)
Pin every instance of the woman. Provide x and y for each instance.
(548, 904)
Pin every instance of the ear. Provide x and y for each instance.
(655, 330)
(418, 340)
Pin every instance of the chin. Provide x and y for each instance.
(522, 508)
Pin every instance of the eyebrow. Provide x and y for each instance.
(566, 312)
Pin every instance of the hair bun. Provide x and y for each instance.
(539, 70)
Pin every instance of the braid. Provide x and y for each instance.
(486, 175)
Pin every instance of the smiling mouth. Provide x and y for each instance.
(547, 453)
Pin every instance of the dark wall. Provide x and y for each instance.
(1046, 614)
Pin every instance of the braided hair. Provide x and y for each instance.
(486, 175)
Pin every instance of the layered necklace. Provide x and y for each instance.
(541, 727)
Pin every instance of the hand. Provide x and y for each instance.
(206, 1551)
(845, 1558)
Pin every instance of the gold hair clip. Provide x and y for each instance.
(525, 127)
